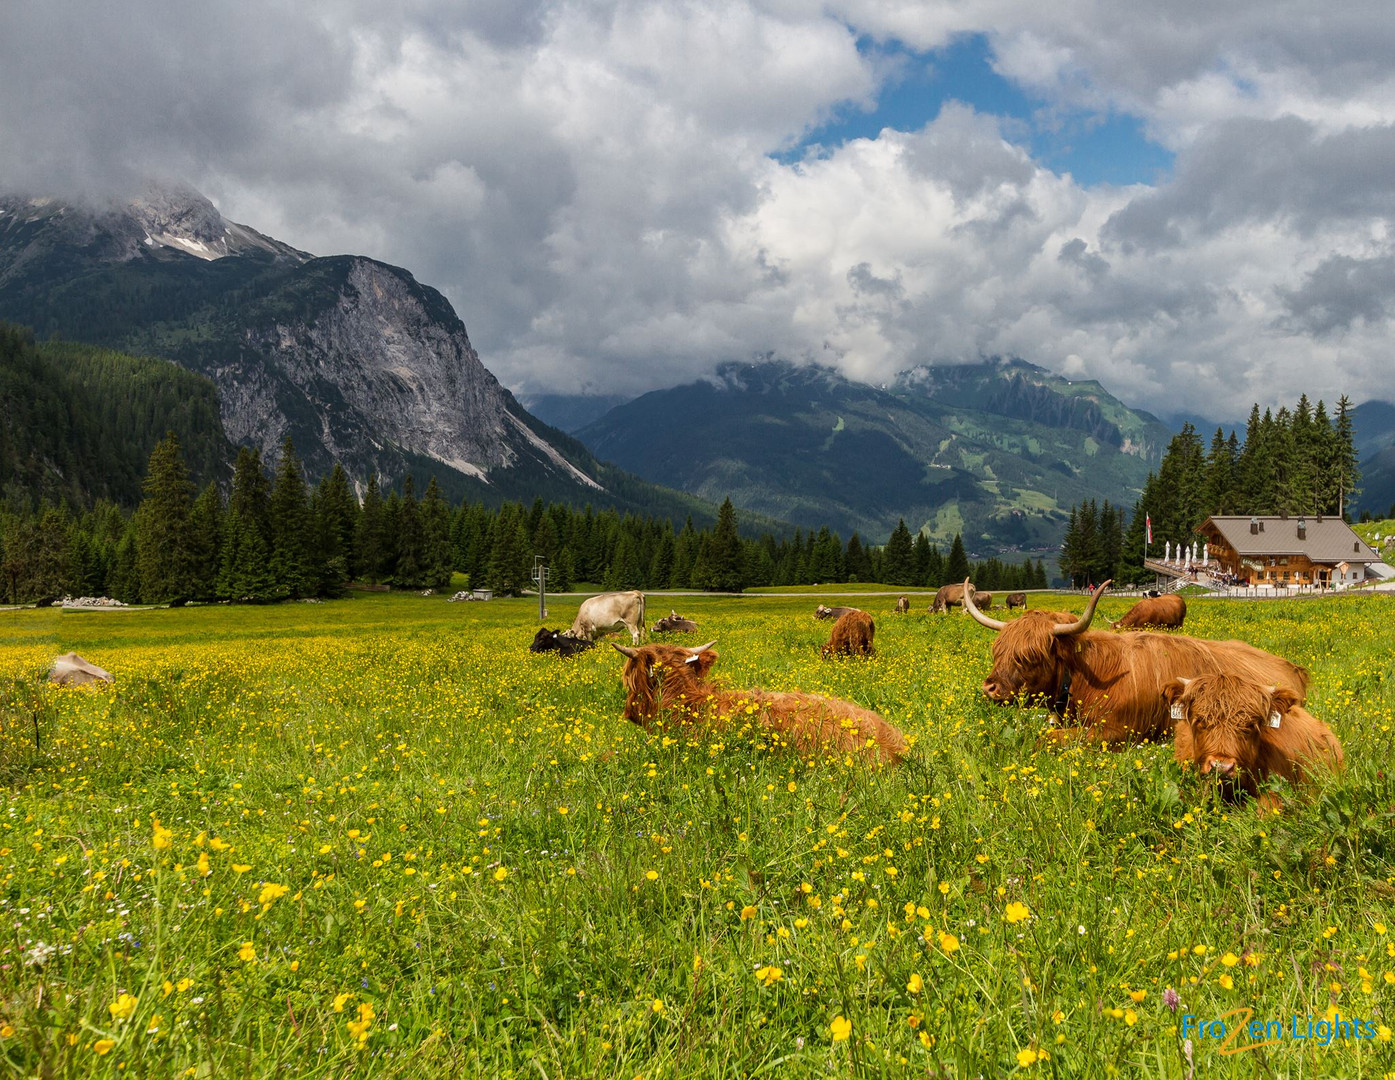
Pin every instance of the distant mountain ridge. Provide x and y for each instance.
(354, 359)
(999, 450)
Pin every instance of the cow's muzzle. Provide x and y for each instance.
(1219, 765)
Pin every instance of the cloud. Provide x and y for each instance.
(591, 183)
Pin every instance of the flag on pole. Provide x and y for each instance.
(1148, 523)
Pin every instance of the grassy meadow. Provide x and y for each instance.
(379, 837)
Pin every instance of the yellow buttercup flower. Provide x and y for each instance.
(122, 1007)
(840, 1028)
(1016, 912)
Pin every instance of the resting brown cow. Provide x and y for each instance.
(903, 605)
(1244, 732)
(1016, 599)
(674, 623)
(982, 600)
(822, 612)
(1108, 687)
(949, 596)
(1166, 612)
(852, 635)
(668, 684)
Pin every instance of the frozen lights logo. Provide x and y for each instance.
(1231, 1036)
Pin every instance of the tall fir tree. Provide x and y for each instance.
(164, 534)
(371, 542)
(724, 557)
(292, 534)
(436, 545)
(898, 558)
(957, 563)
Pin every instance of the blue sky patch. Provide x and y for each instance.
(1095, 148)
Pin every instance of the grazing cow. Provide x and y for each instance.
(609, 613)
(903, 605)
(852, 635)
(1108, 687)
(1016, 599)
(72, 670)
(982, 600)
(559, 642)
(1244, 733)
(822, 612)
(673, 623)
(1165, 612)
(949, 596)
(668, 684)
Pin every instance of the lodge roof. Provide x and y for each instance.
(1329, 540)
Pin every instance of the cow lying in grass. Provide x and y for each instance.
(1165, 612)
(1243, 732)
(559, 642)
(1108, 687)
(667, 684)
(852, 635)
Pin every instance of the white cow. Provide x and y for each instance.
(610, 613)
(72, 670)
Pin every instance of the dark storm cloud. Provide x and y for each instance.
(1342, 291)
(589, 181)
(1246, 171)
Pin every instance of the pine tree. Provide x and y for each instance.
(370, 542)
(898, 559)
(164, 535)
(509, 564)
(957, 564)
(1347, 469)
(335, 511)
(435, 526)
(724, 569)
(292, 537)
(206, 541)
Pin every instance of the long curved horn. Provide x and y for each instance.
(1083, 623)
(992, 624)
(700, 648)
(631, 653)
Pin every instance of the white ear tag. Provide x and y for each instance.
(692, 659)
(1178, 712)
(1275, 719)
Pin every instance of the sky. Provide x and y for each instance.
(1189, 201)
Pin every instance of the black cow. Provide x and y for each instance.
(560, 642)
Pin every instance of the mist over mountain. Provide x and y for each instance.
(998, 451)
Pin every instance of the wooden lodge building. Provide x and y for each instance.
(1321, 551)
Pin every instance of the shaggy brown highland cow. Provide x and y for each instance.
(1108, 687)
(1244, 732)
(852, 635)
(667, 684)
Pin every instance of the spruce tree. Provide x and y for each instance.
(724, 570)
(370, 542)
(335, 512)
(1347, 468)
(206, 547)
(898, 558)
(435, 527)
(957, 564)
(292, 537)
(164, 535)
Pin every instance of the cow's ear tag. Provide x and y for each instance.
(1275, 719)
(692, 659)
(1179, 712)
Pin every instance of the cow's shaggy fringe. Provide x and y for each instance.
(1227, 718)
(667, 683)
